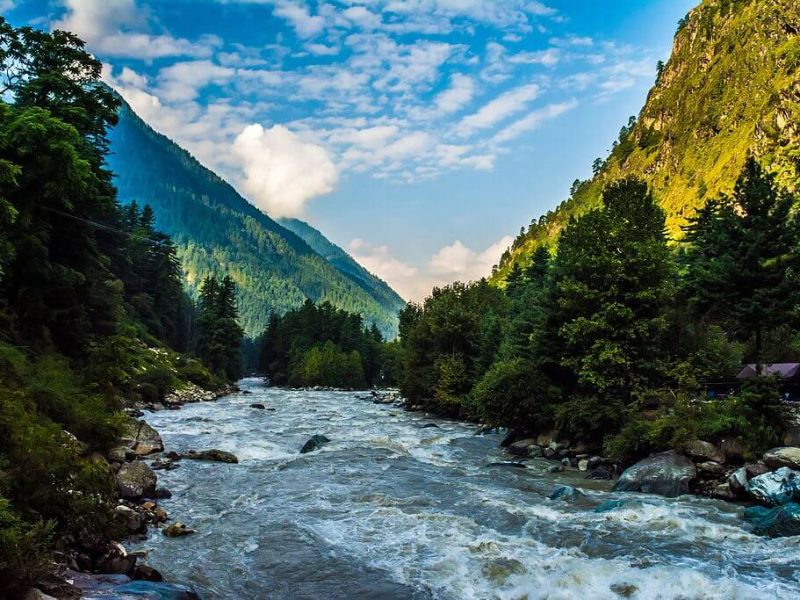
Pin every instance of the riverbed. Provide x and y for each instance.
(391, 508)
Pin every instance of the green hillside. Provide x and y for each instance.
(731, 88)
(217, 232)
(345, 264)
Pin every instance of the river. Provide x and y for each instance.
(392, 509)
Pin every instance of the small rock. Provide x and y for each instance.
(178, 529)
(710, 469)
(738, 482)
(314, 443)
(534, 452)
(703, 451)
(583, 464)
(724, 492)
(566, 462)
(135, 480)
(521, 448)
(555, 469)
(756, 469)
(595, 461)
(212, 455)
(545, 439)
(564, 491)
(430, 426)
(162, 493)
(776, 488)
(600, 473)
(786, 456)
(132, 520)
(258, 405)
(549, 453)
(147, 573)
(514, 465)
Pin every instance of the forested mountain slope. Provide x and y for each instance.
(218, 232)
(731, 88)
(345, 264)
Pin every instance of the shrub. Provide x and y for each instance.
(589, 419)
(195, 372)
(23, 550)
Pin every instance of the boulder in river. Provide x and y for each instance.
(703, 451)
(178, 529)
(787, 456)
(561, 492)
(666, 474)
(315, 442)
(258, 405)
(776, 488)
(212, 455)
(783, 521)
(135, 480)
(521, 447)
(430, 426)
(142, 439)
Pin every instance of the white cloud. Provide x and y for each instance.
(532, 121)
(500, 108)
(460, 262)
(7, 5)
(182, 81)
(281, 172)
(457, 96)
(297, 13)
(120, 28)
(548, 58)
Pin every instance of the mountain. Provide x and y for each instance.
(345, 264)
(731, 88)
(218, 232)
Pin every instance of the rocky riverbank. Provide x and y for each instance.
(95, 564)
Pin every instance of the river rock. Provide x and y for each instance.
(723, 491)
(666, 474)
(521, 447)
(156, 589)
(739, 483)
(147, 573)
(791, 437)
(710, 469)
(430, 426)
(514, 465)
(561, 492)
(600, 473)
(121, 454)
(116, 560)
(545, 439)
(142, 439)
(133, 521)
(135, 480)
(34, 594)
(314, 443)
(776, 488)
(783, 521)
(556, 469)
(258, 405)
(787, 456)
(703, 451)
(583, 464)
(212, 455)
(178, 529)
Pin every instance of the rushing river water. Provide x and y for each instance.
(390, 509)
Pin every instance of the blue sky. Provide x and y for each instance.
(418, 134)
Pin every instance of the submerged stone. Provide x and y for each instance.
(783, 521)
(314, 443)
(561, 492)
(666, 474)
(212, 455)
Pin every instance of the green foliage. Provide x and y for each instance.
(304, 346)
(219, 337)
(23, 550)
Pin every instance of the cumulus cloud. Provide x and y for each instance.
(457, 96)
(305, 24)
(280, 171)
(458, 261)
(120, 28)
(500, 108)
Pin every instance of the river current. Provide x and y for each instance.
(392, 509)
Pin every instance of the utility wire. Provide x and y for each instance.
(97, 225)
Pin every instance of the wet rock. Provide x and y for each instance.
(135, 480)
(787, 456)
(121, 454)
(600, 473)
(611, 505)
(521, 447)
(783, 521)
(314, 443)
(133, 521)
(258, 405)
(534, 452)
(172, 455)
(666, 474)
(583, 464)
(212, 455)
(163, 464)
(776, 488)
(703, 451)
(512, 436)
(34, 594)
(162, 493)
(147, 573)
(561, 492)
(487, 430)
(116, 560)
(515, 465)
(156, 589)
(556, 469)
(566, 462)
(178, 529)
(710, 469)
(430, 426)
(549, 453)
(739, 483)
(595, 461)
(724, 492)
(142, 439)
(545, 439)
(756, 469)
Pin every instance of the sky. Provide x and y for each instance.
(419, 135)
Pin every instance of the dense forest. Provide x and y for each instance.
(324, 346)
(93, 314)
(610, 340)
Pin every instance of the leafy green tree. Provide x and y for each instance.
(612, 282)
(219, 336)
(742, 263)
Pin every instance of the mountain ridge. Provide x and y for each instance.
(731, 88)
(218, 232)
